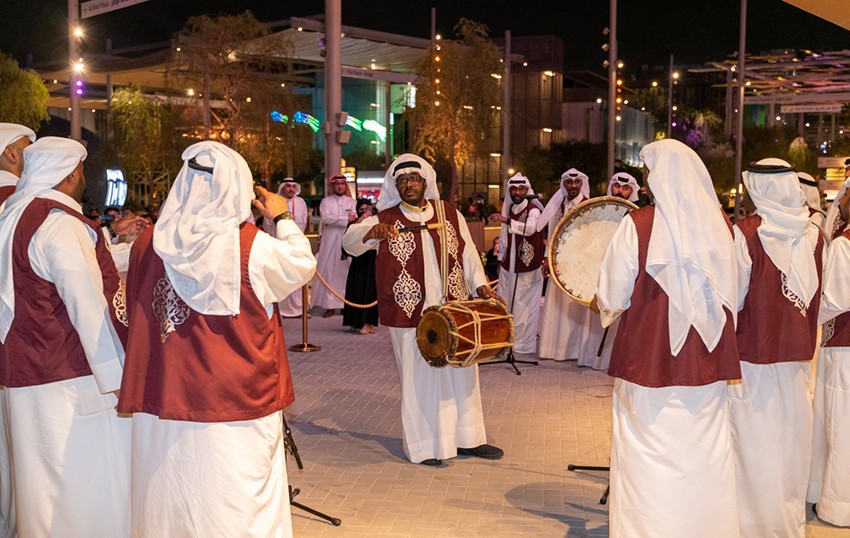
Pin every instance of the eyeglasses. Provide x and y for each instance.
(413, 179)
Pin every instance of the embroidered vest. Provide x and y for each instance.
(529, 256)
(641, 352)
(400, 267)
(42, 345)
(836, 332)
(774, 325)
(182, 365)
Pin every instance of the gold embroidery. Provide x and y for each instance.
(791, 296)
(406, 291)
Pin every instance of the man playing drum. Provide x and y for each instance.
(441, 413)
(521, 251)
(568, 330)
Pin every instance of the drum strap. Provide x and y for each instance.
(444, 248)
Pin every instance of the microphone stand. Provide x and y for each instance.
(510, 359)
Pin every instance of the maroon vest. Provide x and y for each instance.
(771, 328)
(836, 332)
(400, 266)
(531, 251)
(641, 352)
(182, 365)
(42, 345)
(6, 191)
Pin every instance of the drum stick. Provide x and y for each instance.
(602, 343)
(432, 226)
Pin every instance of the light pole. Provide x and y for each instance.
(673, 75)
(75, 90)
(739, 125)
(612, 86)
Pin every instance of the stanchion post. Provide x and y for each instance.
(304, 347)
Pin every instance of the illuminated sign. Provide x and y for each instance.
(303, 117)
(116, 187)
(377, 128)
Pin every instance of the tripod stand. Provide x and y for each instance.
(289, 446)
(604, 498)
(510, 359)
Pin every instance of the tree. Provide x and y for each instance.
(23, 96)
(147, 140)
(457, 96)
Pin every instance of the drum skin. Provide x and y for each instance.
(446, 334)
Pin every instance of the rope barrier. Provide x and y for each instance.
(341, 298)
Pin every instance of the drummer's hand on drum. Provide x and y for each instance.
(485, 292)
(594, 305)
(545, 268)
(381, 231)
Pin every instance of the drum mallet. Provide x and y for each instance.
(432, 226)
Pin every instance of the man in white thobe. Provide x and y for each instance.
(441, 413)
(291, 190)
(834, 224)
(70, 450)
(829, 486)
(207, 374)
(521, 249)
(672, 471)
(568, 330)
(809, 186)
(625, 186)
(337, 210)
(14, 139)
(780, 256)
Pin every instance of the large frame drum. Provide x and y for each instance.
(578, 243)
(463, 333)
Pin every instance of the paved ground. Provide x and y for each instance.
(346, 424)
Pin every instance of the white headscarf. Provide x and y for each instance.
(784, 225)
(809, 186)
(406, 163)
(47, 162)
(691, 252)
(297, 206)
(554, 208)
(10, 132)
(832, 213)
(625, 179)
(289, 180)
(197, 233)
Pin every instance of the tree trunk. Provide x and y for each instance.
(207, 106)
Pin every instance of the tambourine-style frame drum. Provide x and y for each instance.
(463, 333)
(578, 243)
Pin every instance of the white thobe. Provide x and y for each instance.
(672, 471)
(7, 502)
(334, 211)
(525, 306)
(70, 450)
(770, 413)
(829, 483)
(569, 330)
(291, 307)
(222, 479)
(440, 407)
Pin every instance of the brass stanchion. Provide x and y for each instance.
(304, 347)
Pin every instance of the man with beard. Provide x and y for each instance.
(13, 139)
(337, 210)
(624, 186)
(568, 330)
(521, 250)
(828, 483)
(441, 413)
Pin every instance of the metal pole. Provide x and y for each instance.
(388, 145)
(333, 85)
(433, 23)
(670, 99)
(727, 124)
(612, 87)
(304, 347)
(73, 58)
(110, 90)
(739, 125)
(505, 161)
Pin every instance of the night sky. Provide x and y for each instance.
(649, 30)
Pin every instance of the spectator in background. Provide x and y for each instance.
(360, 287)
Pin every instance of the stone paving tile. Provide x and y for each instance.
(346, 424)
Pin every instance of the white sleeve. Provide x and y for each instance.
(618, 273)
(279, 266)
(836, 281)
(745, 266)
(352, 241)
(62, 252)
(472, 268)
(530, 226)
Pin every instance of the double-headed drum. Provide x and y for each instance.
(463, 333)
(578, 243)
